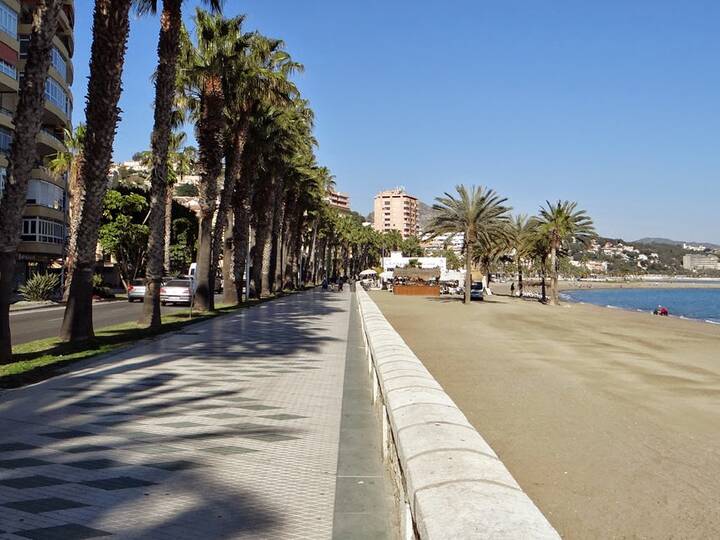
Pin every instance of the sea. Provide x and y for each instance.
(701, 303)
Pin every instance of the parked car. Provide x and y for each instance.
(476, 291)
(136, 290)
(177, 291)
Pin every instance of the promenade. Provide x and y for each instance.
(231, 428)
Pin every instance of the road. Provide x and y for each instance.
(44, 323)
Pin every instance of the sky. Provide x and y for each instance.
(613, 104)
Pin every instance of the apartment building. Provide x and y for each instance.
(396, 210)
(338, 200)
(694, 262)
(44, 219)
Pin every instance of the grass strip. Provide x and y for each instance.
(45, 358)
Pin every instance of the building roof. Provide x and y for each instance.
(423, 274)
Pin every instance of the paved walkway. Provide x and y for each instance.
(229, 429)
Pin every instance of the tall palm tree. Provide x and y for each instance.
(479, 213)
(110, 32)
(165, 84)
(23, 154)
(560, 223)
(521, 233)
(68, 163)
(201, 81)
(178, 165)
(255, 74)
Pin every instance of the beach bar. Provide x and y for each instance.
(416, 282)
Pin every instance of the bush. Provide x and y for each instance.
(97, 281)
(40, 287)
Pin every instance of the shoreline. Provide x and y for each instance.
(659, 284)
(503, 289)
(571, 300)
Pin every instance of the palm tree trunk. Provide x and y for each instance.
(468, 271)
(233, 170)
(265, 274)
(76, 192)
(520, 278)
(23, 154)
(240, 232)
(209, 135)
(554, 276)
(168, 230)
(168, 51)
(313, 243)
(110, 32)
(279, 247)
(230, 295)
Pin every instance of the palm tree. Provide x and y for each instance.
(490, 249)
(68, 163)
(23, 154)
(178, 166)
(560, 223)
(521, 231)
(201, 81)
(110, 32)
(479, 213)
(165, 84)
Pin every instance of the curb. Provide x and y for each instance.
(450, 481)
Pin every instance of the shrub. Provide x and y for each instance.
(40, 287)
(97, 281)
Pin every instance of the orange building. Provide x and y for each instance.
(396, 210)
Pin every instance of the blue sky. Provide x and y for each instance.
(613, 104)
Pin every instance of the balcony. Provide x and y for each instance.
(8, 84)
(6, 118)
(49, 143)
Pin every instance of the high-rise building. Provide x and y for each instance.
(338, 200)
(44, 219)
(396, 210)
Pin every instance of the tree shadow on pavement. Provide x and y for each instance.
(110, 433)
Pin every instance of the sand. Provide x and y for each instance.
(610, 420)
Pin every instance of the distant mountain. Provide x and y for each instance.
(669, 242)
(425, 214)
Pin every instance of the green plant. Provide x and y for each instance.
(97, 281)
(40, 287)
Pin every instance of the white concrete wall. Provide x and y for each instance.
(453, 483)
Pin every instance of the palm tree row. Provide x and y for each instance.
(260, 184)
(491, 234)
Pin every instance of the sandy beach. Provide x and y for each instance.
(609, 419)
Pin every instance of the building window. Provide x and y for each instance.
(6, 137)
(56, 95)
(24, 40)
(37, 229)
(59, 62)
(8, 69)
(8, 20)
(44, 193)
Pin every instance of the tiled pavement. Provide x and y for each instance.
(226, 430)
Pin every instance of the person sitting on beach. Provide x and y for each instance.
(662, 311)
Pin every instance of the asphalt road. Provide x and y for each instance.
(44, 323)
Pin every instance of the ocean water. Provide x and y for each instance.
(703, 304)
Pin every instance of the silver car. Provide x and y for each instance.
(136, 290)
(177, 291)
